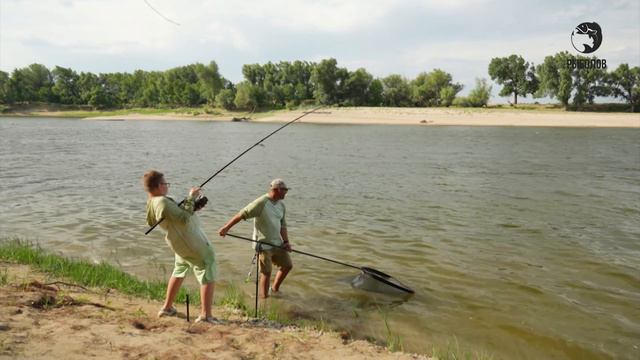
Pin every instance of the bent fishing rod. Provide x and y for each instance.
(238, 157)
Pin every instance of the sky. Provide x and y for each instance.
(383, 36)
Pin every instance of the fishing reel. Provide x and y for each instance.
(200, 202)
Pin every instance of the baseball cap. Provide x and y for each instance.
(278, 184)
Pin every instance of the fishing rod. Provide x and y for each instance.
(371, 272)
(239, 156)
(295, 251)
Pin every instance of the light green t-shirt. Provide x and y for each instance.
(184, 233)
(268, 219)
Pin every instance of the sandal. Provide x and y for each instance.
(209, 319)
(167, 312)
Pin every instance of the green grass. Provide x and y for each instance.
(81, 271)
(452, 351)
(394, 341)
(234, 297)
(104, 275)
(272, 312)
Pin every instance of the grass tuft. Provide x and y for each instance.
(394, 341)
(272, 312)
(452, 351)
(234, 298)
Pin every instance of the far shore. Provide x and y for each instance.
(461, 117)
(399, 116)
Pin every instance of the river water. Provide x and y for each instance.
(519, 242)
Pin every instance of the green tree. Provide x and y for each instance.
(253, 73)
(225, 99)
(447, 95)
(65, 88)
(556, 78)
(328, 80)
(397, 91)
(32, 83)
(515, 75)
(41, 81)
(300, 75)
(5, 92)
(248, 96)
(427, 88)
(17, 86)
(375, 95)
(178, 87)
(103, 95)
(209, 81)
(480, 95)
(357, 87)
(86, 83)
(624, 82)
(588, 83)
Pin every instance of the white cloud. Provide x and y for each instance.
(383, 36)
(305, 15)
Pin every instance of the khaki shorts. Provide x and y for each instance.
(276, 256)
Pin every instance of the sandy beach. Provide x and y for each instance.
(42, 318)
(426, 117)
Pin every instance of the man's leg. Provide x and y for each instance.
(280, 276)
(172, 290)
(265, 273)
(283, 260)
(264, 284)
(206, 294)
(180, 268)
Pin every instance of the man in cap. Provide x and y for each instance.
(269, 226)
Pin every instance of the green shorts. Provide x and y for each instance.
(276, 256)
(204, 269)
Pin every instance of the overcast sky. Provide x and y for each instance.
(385, 37)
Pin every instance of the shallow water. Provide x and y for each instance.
(519, 242)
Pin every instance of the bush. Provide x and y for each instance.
(292, 104)
(248, 96)
(478, 97)
(225, 99)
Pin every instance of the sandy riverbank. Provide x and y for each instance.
(61, 321)
(426, 117)
(472, 117)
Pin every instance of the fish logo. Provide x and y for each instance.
(586, 37)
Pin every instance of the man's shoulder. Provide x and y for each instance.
(257, 203)
(261, 200)
(160, 201)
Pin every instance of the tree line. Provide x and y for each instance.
(289, 84)
(571, 80)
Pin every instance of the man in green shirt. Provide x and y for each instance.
(187, 240)
(269, 226)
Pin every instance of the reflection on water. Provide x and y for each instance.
(520, 242)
